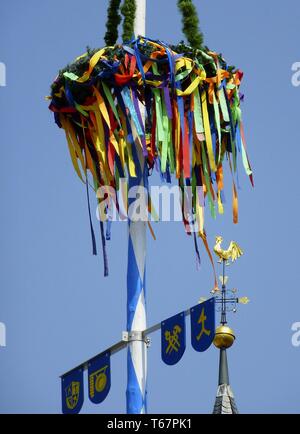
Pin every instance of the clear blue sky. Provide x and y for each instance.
(58, 308)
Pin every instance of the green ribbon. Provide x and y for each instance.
(110, 99)
(198, 113)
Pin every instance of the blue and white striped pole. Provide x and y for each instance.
(136, 319)
(136, 271)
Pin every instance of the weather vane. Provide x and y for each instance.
(227, 299)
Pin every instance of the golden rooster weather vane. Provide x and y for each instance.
(228, 303)
(233, 252)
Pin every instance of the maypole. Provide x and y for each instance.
(136, 285)
(192, 129)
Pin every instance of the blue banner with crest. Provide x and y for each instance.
(173, 339)
(203, 325)
(72, 392)
(99, 378)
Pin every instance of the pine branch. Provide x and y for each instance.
(190, 22)
(113, 21)
(128, 10)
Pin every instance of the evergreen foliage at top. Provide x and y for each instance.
(128, 10)
(113, 21)
(190, 23)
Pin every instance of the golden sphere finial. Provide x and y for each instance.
(224, 337)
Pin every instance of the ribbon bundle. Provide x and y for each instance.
(192, 123)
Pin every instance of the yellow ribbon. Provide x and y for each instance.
(207, 130)
(93, 62)
(195, 83)
(73, 155)
(99, 136)
(102, 106)
(220, 205)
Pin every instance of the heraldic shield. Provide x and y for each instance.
(173, 339)
(99, 378)
(72, 392)
(203, 325)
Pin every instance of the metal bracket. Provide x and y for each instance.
(136, 336)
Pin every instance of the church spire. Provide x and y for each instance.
(224, 339)
(223, 368)
(225, 403)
